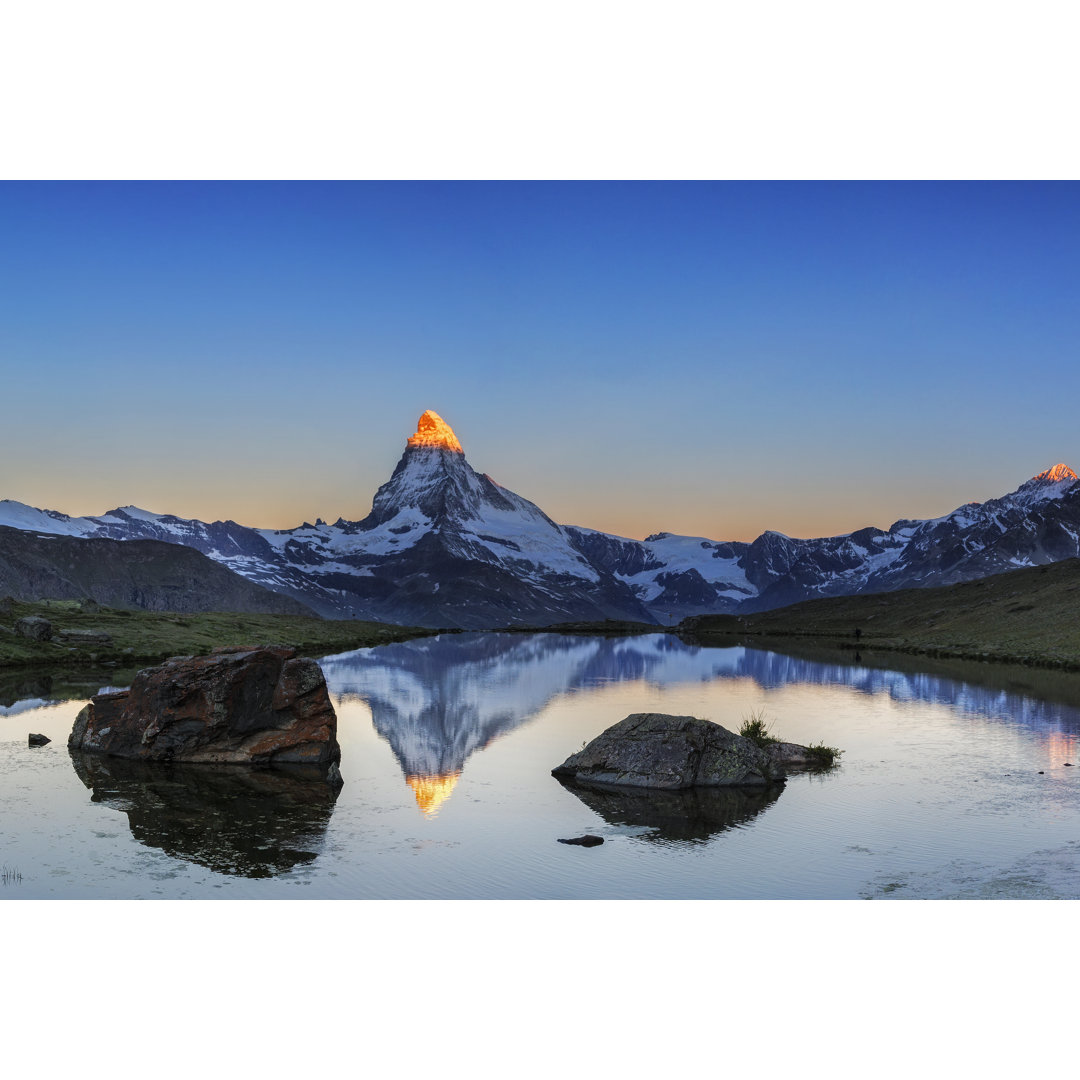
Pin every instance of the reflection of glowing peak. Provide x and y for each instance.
(432, 430)
(432, 791)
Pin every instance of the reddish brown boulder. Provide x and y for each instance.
(253, 706)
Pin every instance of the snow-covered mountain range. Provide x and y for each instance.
(446, 546)
(1038, 523)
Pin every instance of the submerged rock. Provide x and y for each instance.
(252, 706)
(656, 750)
(588, 840)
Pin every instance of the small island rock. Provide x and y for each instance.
(661, 751)
(37, 740)
(254, 706)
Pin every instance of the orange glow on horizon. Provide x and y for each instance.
(432, 791)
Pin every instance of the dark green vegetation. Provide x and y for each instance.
(822, 756)
(154, 635)
(1029, 616)
(145, 574)
(756, 728)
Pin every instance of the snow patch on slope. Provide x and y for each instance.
(17, 515)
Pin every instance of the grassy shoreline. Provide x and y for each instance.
(987, 655)
(1028, 617)
(140, 636)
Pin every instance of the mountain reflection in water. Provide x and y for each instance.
(692, 814)
(438, 700)
(253, 823)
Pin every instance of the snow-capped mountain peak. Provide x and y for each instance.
(435, 497)
(1047, 485)
(432, 478)
(433, 431)
(1060, 472)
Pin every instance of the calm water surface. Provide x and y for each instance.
(952, 784)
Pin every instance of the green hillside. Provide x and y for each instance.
(155, 635)
(1027, 616)
(146, 574)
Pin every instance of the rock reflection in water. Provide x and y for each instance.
(253, 823)
(689, 814)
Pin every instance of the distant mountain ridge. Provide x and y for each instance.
(143, 574)
(445, 545)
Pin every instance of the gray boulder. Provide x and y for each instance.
(34, 627)
(656, 750)
(790, 756)
(85, 637)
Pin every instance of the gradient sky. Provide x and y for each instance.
(713, 359)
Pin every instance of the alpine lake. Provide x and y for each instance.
(956, 781)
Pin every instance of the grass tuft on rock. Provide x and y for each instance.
(822, 756)
(756, 728)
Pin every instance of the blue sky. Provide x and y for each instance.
(713, 359)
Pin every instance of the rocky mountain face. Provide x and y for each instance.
(443, 546)
(676, 576)
(139, 574)
(446, 546)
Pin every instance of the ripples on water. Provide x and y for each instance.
(956, 781)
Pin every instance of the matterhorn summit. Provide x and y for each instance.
(434, 432)
(433, 485)
(456, 543)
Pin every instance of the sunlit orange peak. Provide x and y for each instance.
(432, 791)
(1058, 473)
(433, 430)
